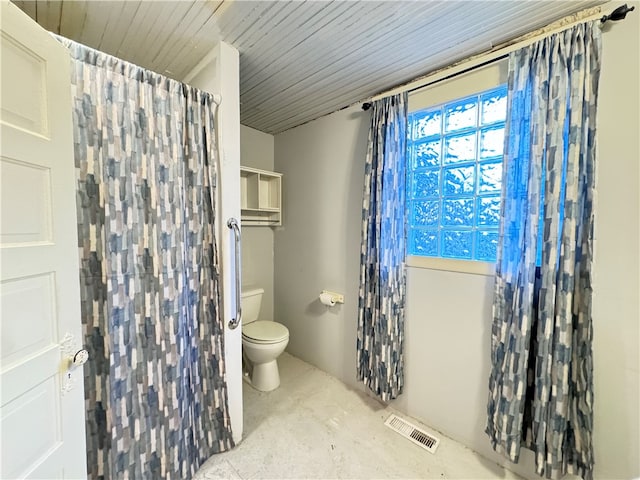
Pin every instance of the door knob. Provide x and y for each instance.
(71, 362)
(80, 358)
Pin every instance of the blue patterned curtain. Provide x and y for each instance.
(380, 359)
(155, 384)
(541, 383)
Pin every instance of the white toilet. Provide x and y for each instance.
(262, 342)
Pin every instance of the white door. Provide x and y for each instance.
(42, 433)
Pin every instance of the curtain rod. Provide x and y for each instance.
(502, 50)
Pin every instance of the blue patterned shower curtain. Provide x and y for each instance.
(541, 383)
(380, 358)
(155, 388)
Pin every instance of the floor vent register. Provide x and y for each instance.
(421, 438)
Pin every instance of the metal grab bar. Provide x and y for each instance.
(232, 223)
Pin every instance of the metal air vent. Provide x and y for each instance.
(425, 440)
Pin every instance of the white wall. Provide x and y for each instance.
(616, 304)
(448, 314)
(319, 244)
(256, 150)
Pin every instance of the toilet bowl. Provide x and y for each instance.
(262, 342)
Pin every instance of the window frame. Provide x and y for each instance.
(458, 87)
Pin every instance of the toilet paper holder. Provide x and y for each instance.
(335, 297)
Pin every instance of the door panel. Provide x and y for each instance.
(24, 91)
(25, 216)
(37, 410)
(33, 298)
(41, 399)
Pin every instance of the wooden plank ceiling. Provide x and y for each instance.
(299, 60)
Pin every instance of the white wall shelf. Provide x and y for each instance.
(261, 197)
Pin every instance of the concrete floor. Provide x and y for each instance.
(314, 426)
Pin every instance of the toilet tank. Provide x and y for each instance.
(251, 298)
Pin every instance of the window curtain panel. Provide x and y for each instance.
(541, 381)
(155, 388)
(380, 359)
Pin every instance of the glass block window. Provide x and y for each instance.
(455, 175)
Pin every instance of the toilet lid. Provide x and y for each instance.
(265, 331)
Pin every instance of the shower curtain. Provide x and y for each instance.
(145, 155)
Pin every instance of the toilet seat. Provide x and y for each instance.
(265, 332)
